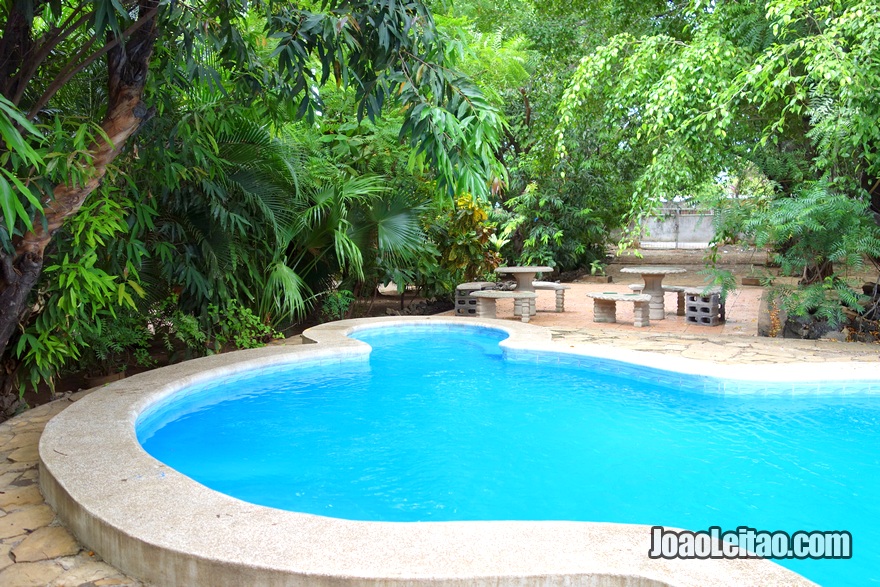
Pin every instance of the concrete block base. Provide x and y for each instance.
(605, 311)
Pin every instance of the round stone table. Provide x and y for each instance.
(524, 277)
(653, 276)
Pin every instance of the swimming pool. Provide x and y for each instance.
(443, 428)
(153, 522)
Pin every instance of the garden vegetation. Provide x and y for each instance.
(177, 178)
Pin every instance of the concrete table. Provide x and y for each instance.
(524, 277)
(653, 276)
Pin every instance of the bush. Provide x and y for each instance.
(337, 304)
(462, 240)
(236, 324)
(113, 343)
(823, 235)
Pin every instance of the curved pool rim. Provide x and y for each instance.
(158, 525)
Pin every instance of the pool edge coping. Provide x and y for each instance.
(224, 541)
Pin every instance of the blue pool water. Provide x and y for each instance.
(438, 426)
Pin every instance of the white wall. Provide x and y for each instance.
(678, 228)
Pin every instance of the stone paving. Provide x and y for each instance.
(741, 308)
(36, 551)
(724, 349)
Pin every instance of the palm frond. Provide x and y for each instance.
(285, 295)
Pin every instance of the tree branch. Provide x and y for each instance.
(6, 269)
(15, 43)
(59, 82)
(50, 41)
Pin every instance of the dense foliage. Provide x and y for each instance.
(221, 198)
(781, 90)
(180, 178)
(555, 213)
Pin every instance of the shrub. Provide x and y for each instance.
(236, 324)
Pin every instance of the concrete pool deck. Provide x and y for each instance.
(36, 550)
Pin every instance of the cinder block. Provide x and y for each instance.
(703, 306)
(704, 320)
(465, 306)
(712, 308)
(701, 299)
(705, 310)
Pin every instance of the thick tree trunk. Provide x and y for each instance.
(18, 280)
(15, 45)
(127, 66)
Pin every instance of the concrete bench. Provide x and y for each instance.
(605, 307)
(678, 289)
(521, 302)
(464, 305)
(553, 286)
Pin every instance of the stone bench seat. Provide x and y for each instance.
(521, 302)
(605, 307)
(464, 305)
(559, 288)
(678, 289)
(476, 286)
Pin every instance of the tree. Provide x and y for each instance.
(784, 87)
(523, 54)
(52, 161)
(25, 50)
